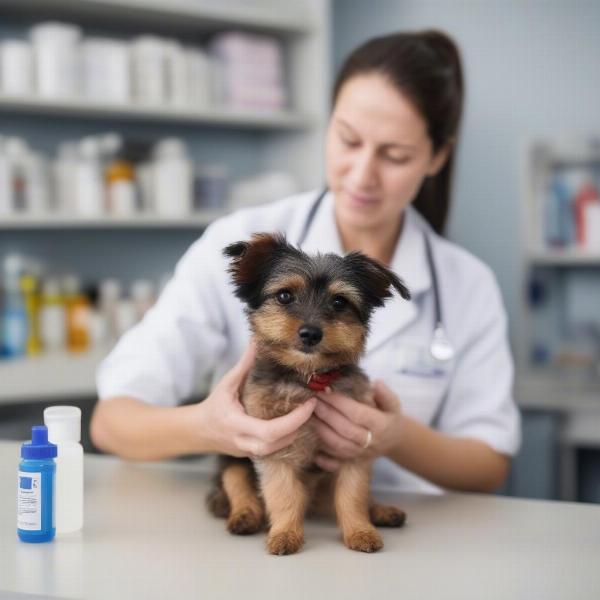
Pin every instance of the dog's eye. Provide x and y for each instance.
(339, 303)
(284, 297)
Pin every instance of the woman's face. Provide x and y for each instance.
(378, 152)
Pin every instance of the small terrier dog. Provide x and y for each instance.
(310, 317)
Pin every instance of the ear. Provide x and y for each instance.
(375, 279)
(439, 159)
(251, 263)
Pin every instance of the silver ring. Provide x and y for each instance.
(369, 439)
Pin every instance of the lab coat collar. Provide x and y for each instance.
(409, 262)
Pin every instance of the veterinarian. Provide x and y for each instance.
(440, 364)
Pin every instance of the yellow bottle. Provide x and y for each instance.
(30, 290)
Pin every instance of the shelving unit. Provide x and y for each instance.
(50, 376)
(290, 140)
(81, 109)
(178, 16)
(541, 160)
(195, 221)
(566, 259)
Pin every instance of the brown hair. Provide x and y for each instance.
(426, 67)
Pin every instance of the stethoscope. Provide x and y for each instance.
(440, 347)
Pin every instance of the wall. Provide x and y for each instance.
(532, 68)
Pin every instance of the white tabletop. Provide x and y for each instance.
(148, 535)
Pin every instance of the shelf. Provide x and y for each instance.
(566, 259)
(57, 376)
(195, 221)
(189, 16)
(556, 390)
(31, 105)
(50, 376)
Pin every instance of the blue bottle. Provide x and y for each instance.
(35, 491)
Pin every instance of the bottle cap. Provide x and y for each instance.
(39, 447)
(64, 423)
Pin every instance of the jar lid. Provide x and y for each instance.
(64, 423)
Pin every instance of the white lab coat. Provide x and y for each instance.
(199, 327)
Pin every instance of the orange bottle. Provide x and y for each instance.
(78, 316)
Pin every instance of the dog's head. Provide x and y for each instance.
(309, 312)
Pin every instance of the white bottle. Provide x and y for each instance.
(6, 207)
(172, 178)
(16, 68)
(56, 59)
(148, 70)
(53, 318)
(109, 296)
(64, 173)
(89, 183)
(143, 297)
(64, 430)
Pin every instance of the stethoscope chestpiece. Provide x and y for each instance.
(441, 349)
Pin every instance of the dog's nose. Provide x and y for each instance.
(310, 335)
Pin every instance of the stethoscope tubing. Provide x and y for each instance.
(443, 350)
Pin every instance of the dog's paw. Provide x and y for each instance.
(245, 522)
(387, 516)
(364, 541)
(218, 503)
(286, 542)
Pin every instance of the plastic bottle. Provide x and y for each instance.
(56, 59)
(36, 488)
(121, 192)
(16, 68)
(53, 319)
(89, 184)
(64, 430)
(143, 297)
(172, 179)
(17, 152)
(148, 70)
(78, 315)
(6, 203)
(65, 178)
(13, 320)
(31, 297)
(108, 300)
(38, 184)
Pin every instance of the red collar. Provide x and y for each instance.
(319, 381)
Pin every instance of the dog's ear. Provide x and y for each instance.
(375, 279)
(251, 262)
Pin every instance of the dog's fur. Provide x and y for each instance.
(286, 291)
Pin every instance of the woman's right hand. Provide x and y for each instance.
(226, 427)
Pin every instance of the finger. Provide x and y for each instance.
(272, 430)
(384, 398)
(355, 411)
(339, 447)
(327, 463)
(259, 448)
(235, 377)
(340, 423)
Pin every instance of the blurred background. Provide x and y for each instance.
(126, 126)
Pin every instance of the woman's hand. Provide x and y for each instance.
(229, 430)
(343, 426)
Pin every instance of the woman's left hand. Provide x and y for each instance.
(343, 426)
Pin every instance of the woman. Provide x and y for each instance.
(437, 423)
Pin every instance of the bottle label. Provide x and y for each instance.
(29, 505)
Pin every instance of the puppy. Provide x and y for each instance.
(310, 317)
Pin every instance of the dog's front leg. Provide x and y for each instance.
(285, 499)
(351, 499)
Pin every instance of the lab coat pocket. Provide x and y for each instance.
(420, 397)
